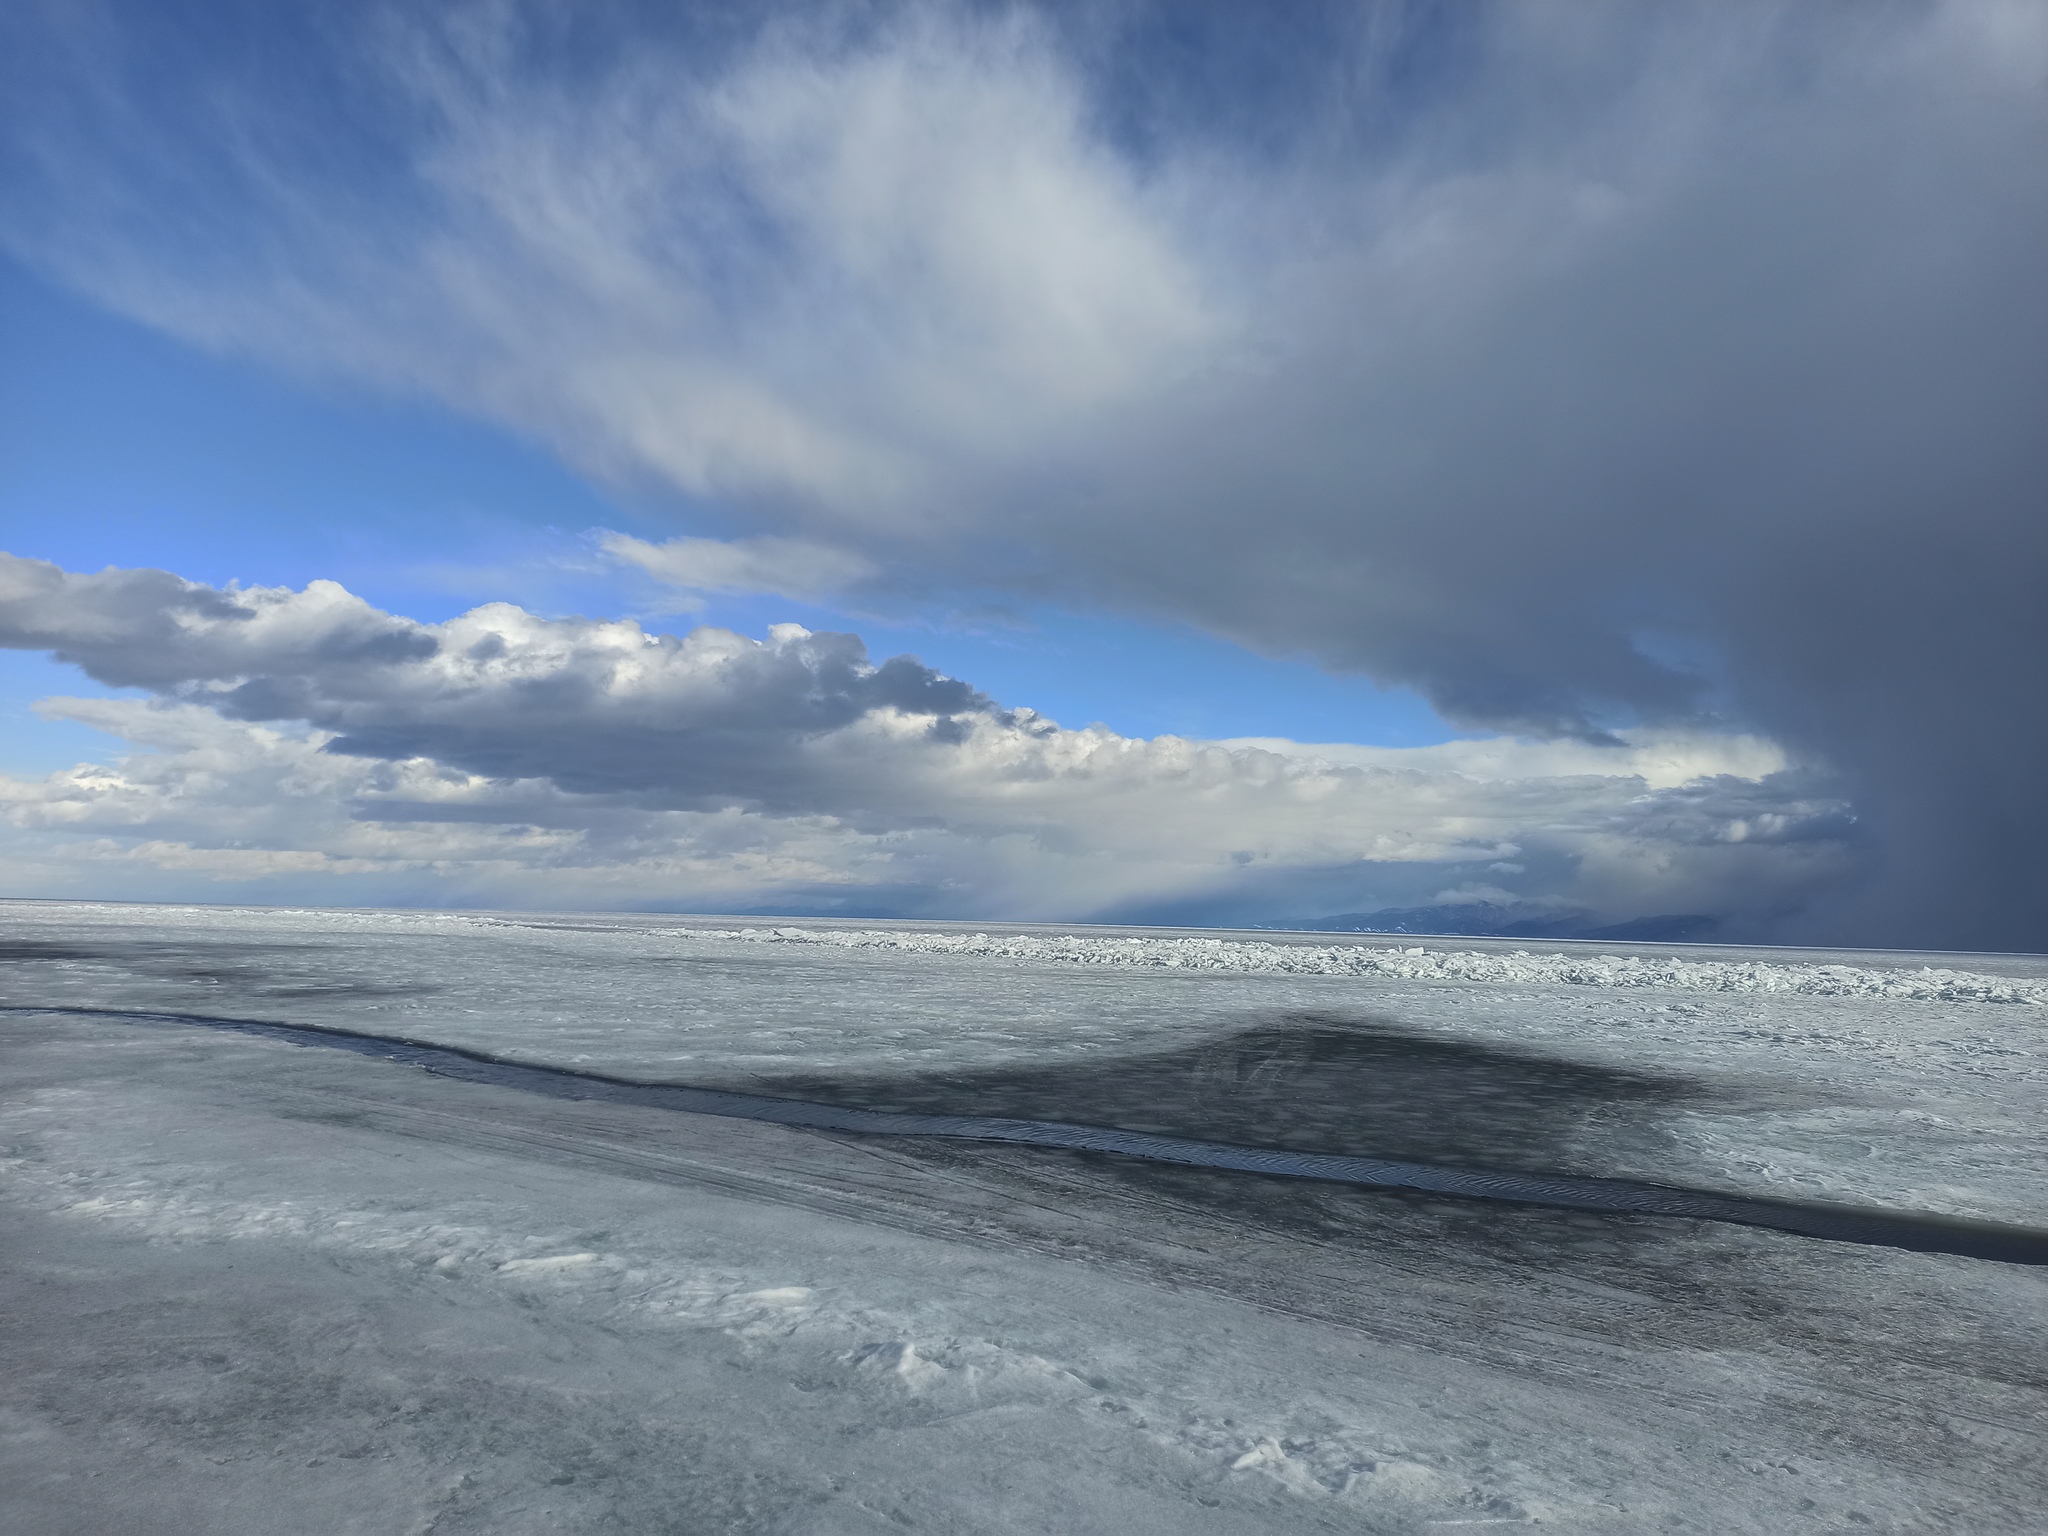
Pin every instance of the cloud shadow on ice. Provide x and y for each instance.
(1321, 1082)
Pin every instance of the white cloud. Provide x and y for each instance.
(309, 742)
(1661, 758)
(1021, 821)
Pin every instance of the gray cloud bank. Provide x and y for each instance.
(1579, 365)
(306, 736)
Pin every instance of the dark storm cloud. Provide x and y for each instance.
(1747, 351)
(1576, 364)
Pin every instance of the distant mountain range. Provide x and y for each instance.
(1495, 920)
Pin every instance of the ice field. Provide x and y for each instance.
(258, 1286)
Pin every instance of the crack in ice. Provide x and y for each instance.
(1869, 1225)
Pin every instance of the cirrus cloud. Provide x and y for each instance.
(793, 568)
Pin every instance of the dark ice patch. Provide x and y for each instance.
(23, 950)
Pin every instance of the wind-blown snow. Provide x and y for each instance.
(1255, 957)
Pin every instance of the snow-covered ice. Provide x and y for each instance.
(1262, 957)
(264, 1288)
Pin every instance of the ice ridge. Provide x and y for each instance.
(1410, 963)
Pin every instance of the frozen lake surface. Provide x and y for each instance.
(261, 1287)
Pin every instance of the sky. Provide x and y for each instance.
(1112, 462)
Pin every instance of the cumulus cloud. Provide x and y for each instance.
(150, 629)
(1581, 366)
(306, 736)
(589, 705)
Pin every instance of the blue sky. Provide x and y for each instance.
(1576, 458)
(122, 446)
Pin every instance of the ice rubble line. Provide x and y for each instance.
(1255, 957)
